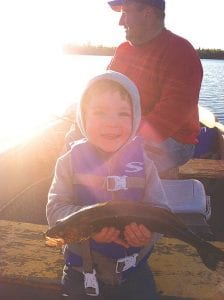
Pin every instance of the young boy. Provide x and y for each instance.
(108, 164)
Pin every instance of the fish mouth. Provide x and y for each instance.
(54, 242)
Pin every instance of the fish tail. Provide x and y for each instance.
(211, 256)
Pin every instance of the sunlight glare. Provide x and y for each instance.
(37, 81)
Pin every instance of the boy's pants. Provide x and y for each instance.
(138, 286)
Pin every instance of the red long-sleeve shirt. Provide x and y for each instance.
(168, 74)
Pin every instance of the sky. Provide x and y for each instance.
(47, 25)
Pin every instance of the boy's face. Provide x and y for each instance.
(108, 120)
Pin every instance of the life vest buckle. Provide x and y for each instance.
(116, 183)
(91, 284)
(126, 263)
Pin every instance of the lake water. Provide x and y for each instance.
(37, 91)
(212, 90)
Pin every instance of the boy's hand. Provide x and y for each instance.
(108, 235)
(137, 235)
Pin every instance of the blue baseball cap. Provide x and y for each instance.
(116, 5)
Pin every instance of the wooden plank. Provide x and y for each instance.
(179, 272)
(202, 168)
(26, 260)
(24, 257)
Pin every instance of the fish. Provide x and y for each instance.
(87, 221)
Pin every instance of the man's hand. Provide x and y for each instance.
(137, 235)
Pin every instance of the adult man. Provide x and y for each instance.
(168, 74)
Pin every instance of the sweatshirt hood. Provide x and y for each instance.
(128, 85)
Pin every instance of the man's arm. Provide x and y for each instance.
(177, 106)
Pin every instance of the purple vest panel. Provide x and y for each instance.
(86, 159)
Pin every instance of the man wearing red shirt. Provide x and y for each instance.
(168, 73)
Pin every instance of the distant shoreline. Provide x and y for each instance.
(109, 51)
(89, 50)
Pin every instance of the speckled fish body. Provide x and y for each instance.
(91, 219)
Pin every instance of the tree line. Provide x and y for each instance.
(211, 53)
(89, 49)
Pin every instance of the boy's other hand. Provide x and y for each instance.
(108, 235)
(137, 235)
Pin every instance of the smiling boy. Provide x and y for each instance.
(108, 117)
(108, 164)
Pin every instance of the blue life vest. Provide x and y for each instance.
(207, 141)
(95, 182)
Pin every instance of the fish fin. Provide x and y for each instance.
(211, 256)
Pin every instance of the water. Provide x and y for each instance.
(38, 91)
(212, 90)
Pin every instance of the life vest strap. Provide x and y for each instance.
(108, 270)
(90, 281)
(109, 183)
